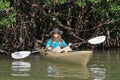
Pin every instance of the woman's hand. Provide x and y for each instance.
(69, 44)
(49, 48)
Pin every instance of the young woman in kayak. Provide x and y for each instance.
(56, 43)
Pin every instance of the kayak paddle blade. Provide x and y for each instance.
(97, 40)
(20, 54)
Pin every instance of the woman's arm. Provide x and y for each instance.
(64, 43)
(48, 45)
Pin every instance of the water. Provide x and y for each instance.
(104, 65)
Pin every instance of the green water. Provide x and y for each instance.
(104, 65)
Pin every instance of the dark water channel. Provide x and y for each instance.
(104, 65)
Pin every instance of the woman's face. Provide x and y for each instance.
(56, 35)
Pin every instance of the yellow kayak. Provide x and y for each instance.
(79, 57)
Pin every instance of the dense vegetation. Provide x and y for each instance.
(26, 23)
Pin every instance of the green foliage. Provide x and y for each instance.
(3, 44)
(114, 7)
(62, 1)
(47, 3)
(80, 3)
(8, 20)
(108, 8)
(104, 8)
(7, 17)
(4, 5)
(50, 2)
(84, 17)
(95, 1)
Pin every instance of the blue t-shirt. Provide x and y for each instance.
(56, 43)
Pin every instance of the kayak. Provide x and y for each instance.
(79, 57)
(95, 40)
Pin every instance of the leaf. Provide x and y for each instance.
(108, 0)
(4, 5)
(95, 1)
(62, 1)
(80, 3)
(9, 19)
(47, 3)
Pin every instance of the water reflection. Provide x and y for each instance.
(98, 73)
(52, 72)
(20, 68)
(67, 71)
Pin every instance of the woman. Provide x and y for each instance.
(56, 43)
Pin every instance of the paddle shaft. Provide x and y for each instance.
(38, 51)
(34, 51)
(79, 43)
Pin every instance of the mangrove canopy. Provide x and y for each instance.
(25, 24)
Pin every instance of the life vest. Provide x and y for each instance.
(61, 44)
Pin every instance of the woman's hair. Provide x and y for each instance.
(59, 38)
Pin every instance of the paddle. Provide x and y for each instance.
(24, 54)
(95, 40)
